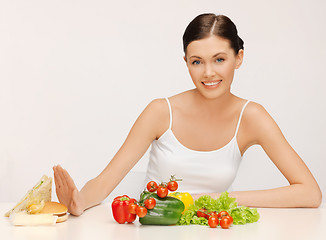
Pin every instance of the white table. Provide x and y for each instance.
(98, 223)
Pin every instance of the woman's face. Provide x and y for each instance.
(211, 63)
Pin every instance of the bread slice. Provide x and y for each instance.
(25, 219)
(40, 192)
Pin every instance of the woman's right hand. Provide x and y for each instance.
(67, 191)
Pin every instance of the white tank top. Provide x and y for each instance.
(201, 171)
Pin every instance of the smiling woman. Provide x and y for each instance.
(202, 134)
(213, 50)
(211, 63)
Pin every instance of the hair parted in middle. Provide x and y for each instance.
(207, 24)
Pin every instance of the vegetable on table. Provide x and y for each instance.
(213, 221)
(162, 191)
(151, 186)
(120, 209)
(222, 214)
(226, 222)
(141, 211)
(172, 185)
(212, 214)
(150, 203)
(132, 208)
(239, 214)
(202, 213)
(167, 210)
(185, 197)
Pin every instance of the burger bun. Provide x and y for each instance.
(57, 209)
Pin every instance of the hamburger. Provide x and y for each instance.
(56, 209)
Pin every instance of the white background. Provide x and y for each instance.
(75, 74)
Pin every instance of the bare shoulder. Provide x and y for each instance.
(258, 123)
(254, 110)
(157, 112)
(158, 107)
(256, 114)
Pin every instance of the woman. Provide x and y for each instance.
(202, 134)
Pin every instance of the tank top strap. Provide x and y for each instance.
(243, 108)
(170, 110)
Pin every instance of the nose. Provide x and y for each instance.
(209, 71)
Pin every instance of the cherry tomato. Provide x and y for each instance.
(202, 213)
(141, 211)
(213, 222)
(162, 191)
(132, 208)
(150, 203)
(151, 186)
(230, 219)
(212, 214)
(225, 222)
(172, 186)
(222, 214)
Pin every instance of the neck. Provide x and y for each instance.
(214, 105)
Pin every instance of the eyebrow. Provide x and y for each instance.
(215, 55)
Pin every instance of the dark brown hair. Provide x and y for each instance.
(208, 24)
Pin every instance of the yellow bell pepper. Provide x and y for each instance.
(185, 197)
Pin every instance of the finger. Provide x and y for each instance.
(70, 182)
(75, 195)
(61, 176)
(58, 185)
(57, 179)
(77, 210)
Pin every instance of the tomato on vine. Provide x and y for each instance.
(162, 191)
(151, 186)
(226, 222)
(213, 222)
(202, 213)
(150, 203)
(222, 214)
(212, 214)
(132, 208)
(141, 211)
(172, 186)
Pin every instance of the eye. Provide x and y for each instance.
(196, 62)
(220, 60)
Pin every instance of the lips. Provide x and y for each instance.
(211, 84)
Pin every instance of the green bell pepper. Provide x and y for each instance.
(167, 211)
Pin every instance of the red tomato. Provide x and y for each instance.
(225, 222)
(172, 186)
(162, 191)
(213, 222)
(141, 211)
(230, 219)
(151, 186)
(150, 203)
(212, 214)
(222, 214)
(202, 213)
(132, 208)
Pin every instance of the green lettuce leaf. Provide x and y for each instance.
(243, 215)
(240, 214)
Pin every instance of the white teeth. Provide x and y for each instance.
(211, 83)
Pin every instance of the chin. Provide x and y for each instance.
(212, 95)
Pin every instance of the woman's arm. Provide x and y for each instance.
(147, 128)
(303, 190)
(258, 127)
